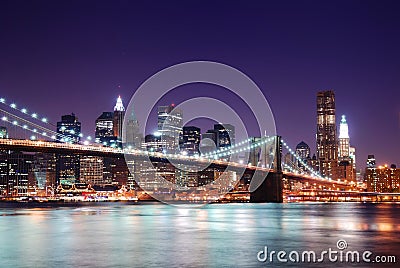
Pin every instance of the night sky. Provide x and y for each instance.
(58, 57)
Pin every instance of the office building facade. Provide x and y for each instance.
(327, 145)
(190, 140)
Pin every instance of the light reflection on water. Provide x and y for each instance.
(220, 235)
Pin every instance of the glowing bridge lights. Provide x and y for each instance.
(34, 115)
(13, 105)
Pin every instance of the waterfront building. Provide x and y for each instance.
(67, 169)
(327, 149)
(91, 170)
(383, 179)
(44, 170)
(15, 169)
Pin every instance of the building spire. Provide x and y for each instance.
(119, 106)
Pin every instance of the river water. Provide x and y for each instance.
(217, 235)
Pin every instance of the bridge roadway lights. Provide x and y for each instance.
(271, 189)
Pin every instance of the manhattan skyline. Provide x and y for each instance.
(56, 64)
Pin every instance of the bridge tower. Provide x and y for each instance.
(271, 189)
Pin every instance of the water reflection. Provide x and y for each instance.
(220, 235)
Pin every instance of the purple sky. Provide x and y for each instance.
(58, 57)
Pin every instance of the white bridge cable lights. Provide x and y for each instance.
(298, 158)
(39, 118)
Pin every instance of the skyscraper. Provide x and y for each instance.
(346, 169)
(68, 165)
(225, 135)
(105, 129)
(344, 139)
(118, 120)
(133, 136)
(170, 122)
(189, 143)
(327, 153)
(69, 128)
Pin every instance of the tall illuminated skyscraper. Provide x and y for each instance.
(344, 139)
(118, 121)
(327, 148)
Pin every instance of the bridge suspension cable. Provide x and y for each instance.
(301, 161)
(41, 119)
(237, 148)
